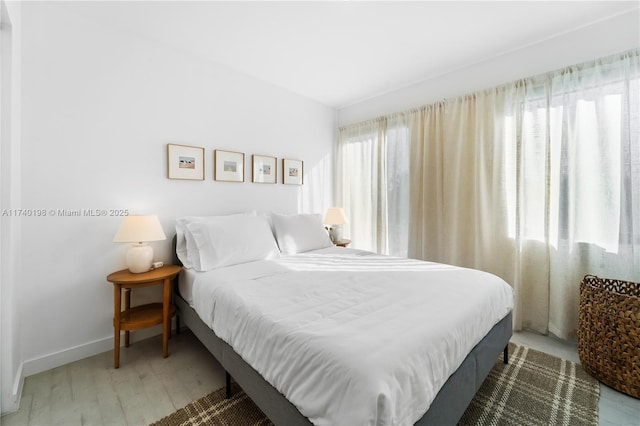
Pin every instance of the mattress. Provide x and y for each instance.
(185, 284)
(351, 337)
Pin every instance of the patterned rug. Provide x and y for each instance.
(533, 389)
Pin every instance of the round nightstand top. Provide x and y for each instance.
(125, 276)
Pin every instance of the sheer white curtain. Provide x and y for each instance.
(361, 170)
(594, 180)
(537, 182)
(372, 173)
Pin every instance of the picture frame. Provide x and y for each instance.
(292, 172)
(185, 162)
(265, 169)
(228, 166)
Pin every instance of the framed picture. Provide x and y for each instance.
(292, 171)
(228, 166)
(185, 162)
(265, 169)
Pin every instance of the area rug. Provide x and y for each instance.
(533, 389)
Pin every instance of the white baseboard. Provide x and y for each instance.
(56, 359)
(47, 362)
(16, 392)
(11, 399)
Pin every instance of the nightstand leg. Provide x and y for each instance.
(127, 305)
(166, 320)
(116, 326)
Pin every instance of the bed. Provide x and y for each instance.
(317, 334)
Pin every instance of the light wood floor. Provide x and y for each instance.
(148, 387)
(144, 389)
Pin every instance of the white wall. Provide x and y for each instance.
(99, 107)
(601, 39)
(10, 226)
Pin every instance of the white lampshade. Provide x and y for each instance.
(139, 229)
(334, 216)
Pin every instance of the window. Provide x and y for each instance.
(590, 149)
(373, 169)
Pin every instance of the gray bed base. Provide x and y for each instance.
(447, 408)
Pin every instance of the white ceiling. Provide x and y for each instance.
(339, 53)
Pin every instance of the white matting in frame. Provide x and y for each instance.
(292, 172)
(185, 162)
(228, 166)
(265, 169)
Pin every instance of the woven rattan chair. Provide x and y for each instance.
(609, 332)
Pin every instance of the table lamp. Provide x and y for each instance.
(335, 218)
(139, 230)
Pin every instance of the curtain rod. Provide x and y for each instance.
(519, 82)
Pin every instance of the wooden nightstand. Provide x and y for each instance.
(145, 315)
(342, 243)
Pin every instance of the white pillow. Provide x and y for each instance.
(186, 247)
(299, 233)
(229, 240)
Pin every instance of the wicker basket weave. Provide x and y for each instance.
(609, 332)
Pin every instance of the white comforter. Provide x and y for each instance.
(350, 337)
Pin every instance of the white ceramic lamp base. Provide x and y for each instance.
(336, 233)
(139, 258)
